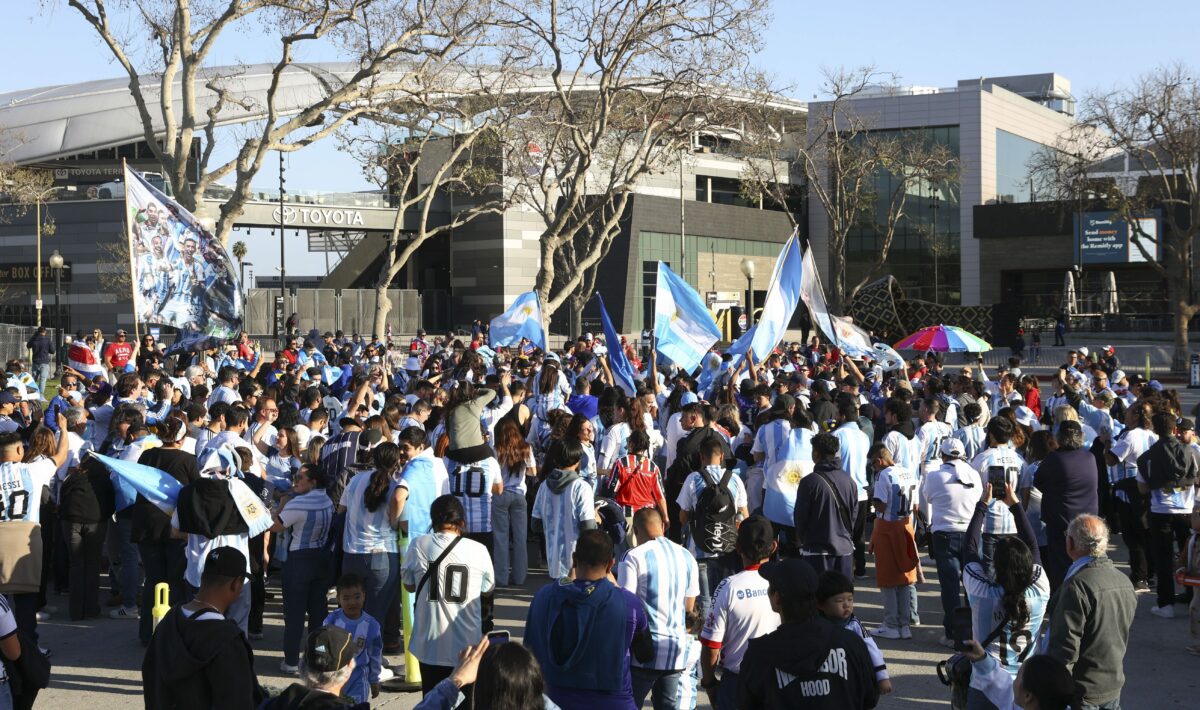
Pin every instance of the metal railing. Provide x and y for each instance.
(13, 340)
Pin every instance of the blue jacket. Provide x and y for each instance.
(578, 634)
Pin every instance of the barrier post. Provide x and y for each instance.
(162, 603)
(412, 670)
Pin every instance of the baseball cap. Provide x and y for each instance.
(587, 337)
(1026, 416)
(1117, 376)
(1083, 351)
(953, 448)
(755, 533)
(328, 649)
(121, 331)
(1107, 396)
(7, 397)
(225, 562)
(688, 398)
(783, 402)
(1155, 385)
(790, 577)
(1109, 349)
(1185, 424)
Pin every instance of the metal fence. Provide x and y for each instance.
(347, 310)
(13, 340)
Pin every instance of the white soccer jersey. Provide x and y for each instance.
(21, 489)
(448, 611)
(896, 488)
(999, 520)
(740, 612)
(662, 574)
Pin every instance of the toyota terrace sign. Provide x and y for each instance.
(320, 216)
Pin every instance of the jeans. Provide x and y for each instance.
(84, 543)
(307, 575)
(41, 373)
(6, 701)
(1133, 532)
(510, 525)
(712, 571)
(1165, 531)
(946, 551)
(727, 691)
(162, 561)
(898, 605)
(380, 572)
(661, 686)
(123, 576)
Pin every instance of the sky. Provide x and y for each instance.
(927, 44)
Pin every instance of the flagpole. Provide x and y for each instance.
(137, 335)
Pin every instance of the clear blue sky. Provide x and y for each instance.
(1096, 45)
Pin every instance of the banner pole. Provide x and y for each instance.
(137, 335)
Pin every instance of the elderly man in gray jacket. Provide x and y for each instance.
(1090, 616)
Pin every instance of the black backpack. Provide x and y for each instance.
(714, 525)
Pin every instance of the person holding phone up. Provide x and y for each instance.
(998, 465)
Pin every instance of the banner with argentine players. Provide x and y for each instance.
(182, 275)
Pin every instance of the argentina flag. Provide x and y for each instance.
(782, 297)
(837, 329)
(618, 362)
(158, 487)
(523, 319)
(684, 328)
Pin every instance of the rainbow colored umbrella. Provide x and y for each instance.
(944, 339)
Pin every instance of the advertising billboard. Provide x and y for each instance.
(1106, 238)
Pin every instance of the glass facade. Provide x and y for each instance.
(659, 246)
(1015, 158)
(924, 254)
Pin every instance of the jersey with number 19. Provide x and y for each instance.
(21, 489)
(448, 611)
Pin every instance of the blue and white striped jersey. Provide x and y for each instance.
(689, 494)
(663, 575)
(905, 452)
(1033, 511)
(931, 435)
(854, 446)
(368, 661)
(308, 517)
(973, 438)
(366, 530)
(472, 484)
(782, 480)
(768, 441)
(1131, 444)
(614, 446)
(987, 610)
(999, 520)
(896, 488)
(21, 489)
(425, 478)
(561, 514)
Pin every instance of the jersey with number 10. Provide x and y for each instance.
(21, 489)
(447, 611)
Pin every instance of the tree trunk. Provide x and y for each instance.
(383, 306)
(837, 279)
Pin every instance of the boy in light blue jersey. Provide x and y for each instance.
(564, 507)
(364, 629)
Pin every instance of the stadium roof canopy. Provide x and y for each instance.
(58, 121)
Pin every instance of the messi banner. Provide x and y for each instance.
(182, 276)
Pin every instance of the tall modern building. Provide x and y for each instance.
(995, 125)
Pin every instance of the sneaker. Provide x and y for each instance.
(1141, 587)
(946, 641)
(1163, 612)
(255, 635)
(883, 631)
(386, 674)
(289, 670)
(905, 632)
(124, 612)
(43, 616)
(45, 652)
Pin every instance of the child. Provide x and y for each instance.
(564, 506)
(1189, 576)
(897, 566)
(367, 636)
(835, 601)
(635, 483)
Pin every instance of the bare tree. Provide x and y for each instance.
(180, 99)
(1154, 124)
(844, 162)
(627, 86)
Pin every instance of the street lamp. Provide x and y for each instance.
(748, 271)
(56, 265)
(39, 198)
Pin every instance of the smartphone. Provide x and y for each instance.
(962, 627)
(496, 637)
(997, 480)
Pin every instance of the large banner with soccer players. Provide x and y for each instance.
(182, 276)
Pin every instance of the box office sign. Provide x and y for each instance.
(26, 273)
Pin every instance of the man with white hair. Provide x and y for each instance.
(1090, 615)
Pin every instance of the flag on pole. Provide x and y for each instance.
(84, 360)
(158, 487)
(618, 361)
(523, 319)
(783, 294)
(841, 331)
(684, 328)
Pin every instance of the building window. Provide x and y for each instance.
(1016, 159)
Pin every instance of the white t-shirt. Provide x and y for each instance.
(951, 491)
(224, 394)
(1132, 443)
(740, 613)
(690, 493)
(448, 612)
(21, 489)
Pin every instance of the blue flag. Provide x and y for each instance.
(783, 295)
(130, 479)
(621, 368)
(523, 319)
(684, 328)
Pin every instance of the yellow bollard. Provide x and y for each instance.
(162, 602)
(412, 670)
(1148, 378)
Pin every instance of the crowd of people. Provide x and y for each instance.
(704, 533)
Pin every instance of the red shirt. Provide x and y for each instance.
(120, 353)
(636, 481)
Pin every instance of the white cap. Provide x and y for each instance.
(953, 448)
(587, 337)
(1117, 376)
(1026, 416)
(1083, 351)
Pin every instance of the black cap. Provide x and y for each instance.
(7, 397)
(370, 437)
(226, 562)
(1185, 424)
(328, 649)
(755, 536)
(792, 578)
(783, 402)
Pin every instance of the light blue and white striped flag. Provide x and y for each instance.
(158, 487)
(838, 329)
(684, 328)
(523, 319)
(783, 294)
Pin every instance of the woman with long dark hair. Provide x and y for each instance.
(582, 430)
(371, 505)
(503, 677)
(510, 509)
(1043, 683)
(1006, 608)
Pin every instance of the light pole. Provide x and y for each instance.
(56, 265)
(282, 247)
(933, 245)
(38, 214)
(748, 271)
